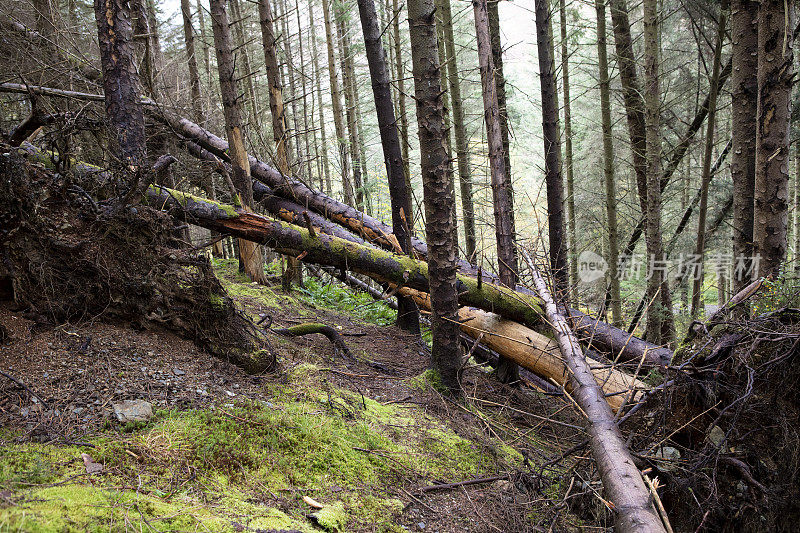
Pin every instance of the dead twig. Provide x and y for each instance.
(475, 481)
(21, 384)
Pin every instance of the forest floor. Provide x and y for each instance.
(364, 436)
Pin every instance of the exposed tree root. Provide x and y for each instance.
(70, 259)
(311, 328)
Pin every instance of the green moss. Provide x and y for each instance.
(331, 517)
(78, 508)
(216, 300)
(429, 378)
(185, 198)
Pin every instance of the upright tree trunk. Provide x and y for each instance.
(775, 74)
(155, 40)
(446, 117)
(197, 102)
(121, 85)
(191, 60)
(500, 83)
(401, 99)
(204, 43)
(303, 93)
(320, 110)
(608, 162)
(707, 154)
(459, 129)
(250, 254)
(552, 154)
(290, 72)
(45, 19)
(246, 71)
(272, 68)
(573, 241)
(362, 151)
(338, 112)
(269, 42)
(349, 100)
(438, 199)
(142, 46)
(632, 96)
(407, 314)
(501, 193)
(659, 315)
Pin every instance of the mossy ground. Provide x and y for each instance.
(245, 464)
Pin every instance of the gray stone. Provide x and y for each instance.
(133, 411)
(421, 525)
(716, 436)
(178, 372)
(671, 458)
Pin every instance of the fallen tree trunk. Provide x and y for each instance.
(604, 337)
(535, 351)
(380, 265)
(627, 493)
(542, 355)
(278, 206)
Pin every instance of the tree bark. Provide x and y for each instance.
(608, 162)
(45, 19)
(401, 100)
(632, 96)
(304, 94)
(407, 314)
(438, 199)
(709, 145)
(320, 110)
(775, 74)
(744, 102)
(552, 151)
(501, 193)
(191, 60)
(500, 84)
(290, 73)
(459, 130)
(659, 321)
(204, 44)
(541, 355)
(621, 479)
(245, 71)
(269, 42)
(251, 255)
(571, 222)
(121, 86)
(446, 119)
(349, 101)
(338, 112)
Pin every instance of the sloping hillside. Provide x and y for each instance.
(364, 435)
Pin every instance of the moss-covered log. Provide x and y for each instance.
(381, 265)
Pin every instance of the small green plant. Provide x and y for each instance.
(338, 298)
